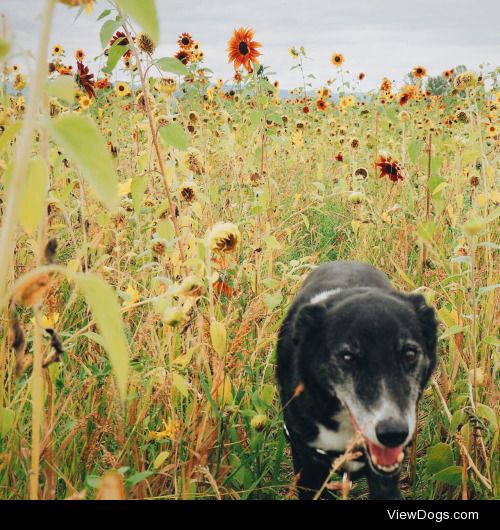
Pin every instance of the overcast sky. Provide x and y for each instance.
(378, 37)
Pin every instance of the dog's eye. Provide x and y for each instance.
(411, 356)
(346, 355)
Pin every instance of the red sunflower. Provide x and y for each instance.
(85, 79)
(185, 41)
(242, 49)
(183, 56)
(389, 168)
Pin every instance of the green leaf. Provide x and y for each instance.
(426, 230)
(107, 30)
(144, 13)
(138, 187)
(172, 65)
(181, 385)
(103, 303)
(6, 420)
(439, 457)
(63, 88)
(276, 118)
(450, 475)
(115, 53)
(459, 417)
(138, 477)
(414, 149)
(173, 134)
(34, 195)
(10, 133)
(488, 414)
(256, 117)
(104, 14)
(273, 300)
(79, 137)
(452, 331)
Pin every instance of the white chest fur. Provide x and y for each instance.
(330, 440)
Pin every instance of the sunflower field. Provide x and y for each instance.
(156, 224)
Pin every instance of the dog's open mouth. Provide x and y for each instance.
(384, 460)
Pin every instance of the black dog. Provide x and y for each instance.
(361, 354)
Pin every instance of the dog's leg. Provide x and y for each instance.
(311, 473)
(384, 488)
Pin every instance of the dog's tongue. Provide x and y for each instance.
(385, 456)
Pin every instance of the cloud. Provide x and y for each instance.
(378, 37)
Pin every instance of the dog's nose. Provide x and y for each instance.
(391, 432)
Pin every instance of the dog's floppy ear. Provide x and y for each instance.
(308, 323)
(428, 324)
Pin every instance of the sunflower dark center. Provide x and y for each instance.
(185, 41)
(243, 48)
(337, 59)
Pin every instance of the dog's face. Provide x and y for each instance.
(375, 352)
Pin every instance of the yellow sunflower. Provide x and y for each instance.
(122, 89)
(57, 49)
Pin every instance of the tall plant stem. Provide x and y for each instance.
(23, 152)
(154, 137)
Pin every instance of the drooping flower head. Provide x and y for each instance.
(224, 237)
(243, 49)
(85, 79)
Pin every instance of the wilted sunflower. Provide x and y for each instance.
(389, 168)
(122, 89)
(386, 85)
(145, 43)
(238, 78)
(183, 56)
(293, 52)
(79, 55)
(224, 237)
(403, 98)
(419, 72)
(337, 59)
(466, 80)
(141, 101)
(242, 49)
(188, 191)
(166, 85)
(194, 161)
(185, 41)
(85, 79)
(361, 76)
(102, 83)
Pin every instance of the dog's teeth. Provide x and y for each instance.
(374, 459)
(401, 457)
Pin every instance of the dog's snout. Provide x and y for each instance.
(392, 432)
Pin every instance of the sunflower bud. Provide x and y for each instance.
(259, 422)
(190, 286)
(174, 316)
